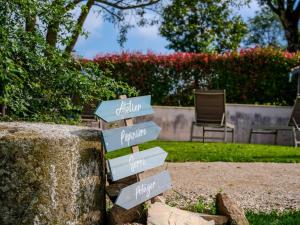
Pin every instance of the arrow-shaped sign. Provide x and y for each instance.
(128, 136)
(144, 190)
(124, 108)
(136, 163)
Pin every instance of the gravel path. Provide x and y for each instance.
(255, 186)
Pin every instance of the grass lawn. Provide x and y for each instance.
(274, 218)
(286, 218)
(211, 152)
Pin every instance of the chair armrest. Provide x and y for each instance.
(230, 125)
(295, 124)
(223, 119)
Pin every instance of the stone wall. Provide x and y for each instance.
(176, 122)
(50, 174)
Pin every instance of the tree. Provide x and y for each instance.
(202, 26)
(39, 81)
(288, 12)
(57, 20)
(265, 29)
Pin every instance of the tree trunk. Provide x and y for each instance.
(52, 33)
(292, 36)
(30, 24)
(80, 21)
(289, 22)
(53, 26)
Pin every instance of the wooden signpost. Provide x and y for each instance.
(137, 162)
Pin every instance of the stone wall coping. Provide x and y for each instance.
(228, 104)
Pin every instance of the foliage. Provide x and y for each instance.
(201, 206)
(223, 152)
(250, 76)
(201, 26)
(39, 82)
(61, 21)
(288, 13)
(265, 29)
(274, 218)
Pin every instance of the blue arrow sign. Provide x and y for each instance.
(144, 190)
(123, 137)
(136, 163)
(124, 108)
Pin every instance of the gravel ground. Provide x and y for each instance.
(255, 186)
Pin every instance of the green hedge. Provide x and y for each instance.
(254, 76)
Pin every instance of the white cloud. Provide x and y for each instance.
(93, 22)
(92, 25)
(149, 32)
(249, 11)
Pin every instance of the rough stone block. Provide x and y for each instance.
(162, 214)
(50, 174)
(229, 208)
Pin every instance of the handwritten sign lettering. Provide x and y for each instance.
(127, 108)
(136, 163)
(131, 135)
(144, 190)
(124, 108)
(128, 136)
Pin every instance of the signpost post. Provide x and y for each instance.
(137, 162)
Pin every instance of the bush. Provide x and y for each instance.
(38, 80)
(249, 76)
(47, 85)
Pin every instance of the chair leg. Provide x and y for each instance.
(203, 132)
(225, 134)
(295, 137)
(250, 136)
(275, 141)
(192, 131)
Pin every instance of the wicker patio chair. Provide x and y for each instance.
(211, 115)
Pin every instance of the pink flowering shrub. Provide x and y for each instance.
(255, 75)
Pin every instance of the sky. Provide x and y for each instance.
(103, 37)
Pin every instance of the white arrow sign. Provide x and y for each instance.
(136, 163)
(144, 190)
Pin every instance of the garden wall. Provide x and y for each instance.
(176, 122)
